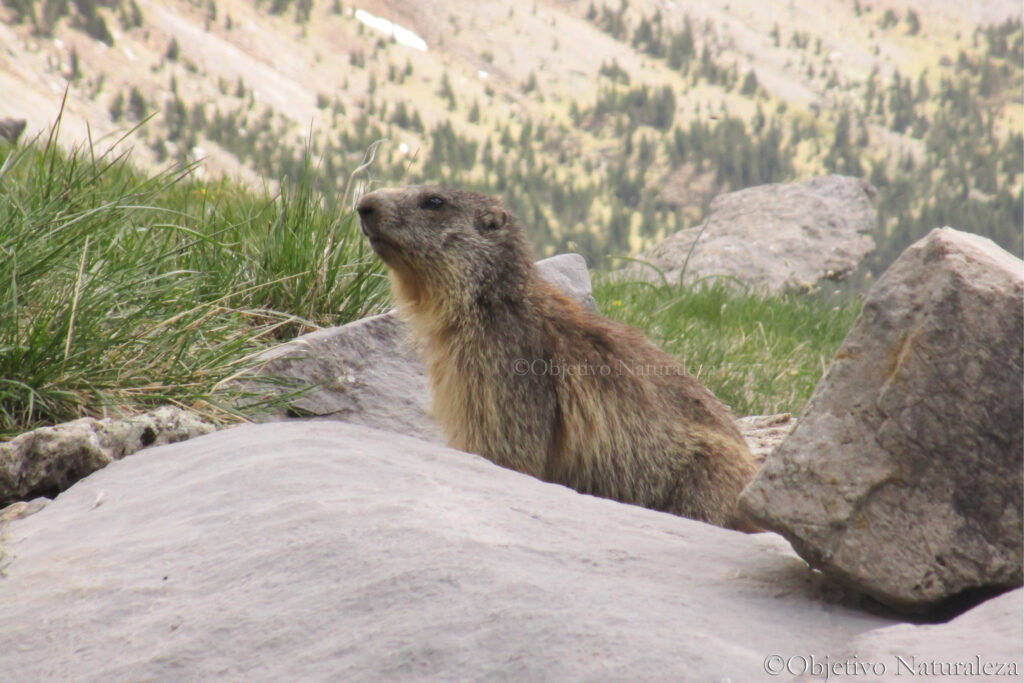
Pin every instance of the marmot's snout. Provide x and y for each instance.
(378, 221)
(369, 215)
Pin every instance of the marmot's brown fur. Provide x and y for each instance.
(528, 378)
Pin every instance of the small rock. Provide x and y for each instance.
(11, 129)
(48, 460)
(764, 433)
(904, 474)
(22, 509)
(569, 273)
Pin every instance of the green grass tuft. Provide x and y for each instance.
(759, 354)
(121, 291)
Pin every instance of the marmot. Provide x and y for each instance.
(526, 377)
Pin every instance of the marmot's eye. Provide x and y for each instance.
(432, 202)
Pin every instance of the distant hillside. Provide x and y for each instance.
(604, 126)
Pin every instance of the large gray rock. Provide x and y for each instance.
(773, 237)
(327, 551)
(47, 460)
(904, 474)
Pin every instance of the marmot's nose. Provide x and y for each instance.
(368, 213)
(367, 206)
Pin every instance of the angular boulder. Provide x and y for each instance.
(903, 476)
(772, 237)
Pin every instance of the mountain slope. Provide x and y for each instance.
(603, 126)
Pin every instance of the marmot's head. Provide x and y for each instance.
(444, 245)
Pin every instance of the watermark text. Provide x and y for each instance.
(563, 368)
(827, 667)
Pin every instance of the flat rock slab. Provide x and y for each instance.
(905, 474)
(322, 550)
(772, 237)
(983, 644)
(328, 551)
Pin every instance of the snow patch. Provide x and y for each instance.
(402, 35)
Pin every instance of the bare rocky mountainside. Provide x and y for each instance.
(605, 126)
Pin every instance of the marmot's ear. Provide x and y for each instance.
(492, 219)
